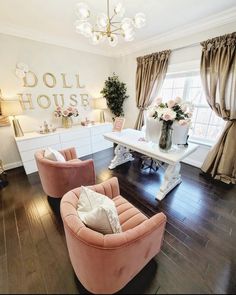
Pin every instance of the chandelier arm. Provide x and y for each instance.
(118, 29)
(115, 26)
(118, 34)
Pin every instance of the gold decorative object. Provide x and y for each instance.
(67, 122)
(13, 108)
(48, 101)
(45, 81)
(107, 25)
(101, 104)
(4, 121)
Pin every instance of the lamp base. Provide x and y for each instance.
(102, 117)
(17, 129)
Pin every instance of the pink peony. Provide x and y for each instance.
(183, 122)
(184, 107)
(57, 114)
(190, 114)
(178, 100)
(168, 115)
(65, 113)
(70, 109)
(171, 103)
(58, 109)
(158, 101)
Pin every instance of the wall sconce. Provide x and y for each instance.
(13, 108)
(101, 104)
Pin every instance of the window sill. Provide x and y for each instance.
(201, 142)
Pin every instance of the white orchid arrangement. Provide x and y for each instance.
(173, 110)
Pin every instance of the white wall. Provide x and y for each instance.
(42, 58)
(181, 60)
(93, 70)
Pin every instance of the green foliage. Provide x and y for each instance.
(115, 93)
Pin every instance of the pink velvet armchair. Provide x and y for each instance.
(58, 178)
(104, 264)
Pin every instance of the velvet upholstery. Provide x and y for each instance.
(58, 178)
(104, 264)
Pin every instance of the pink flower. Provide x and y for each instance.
(70, 109)
(158, 101)
(190, 114)
(178, 100)
(169, 115)
(58, 109)
(184, 107)
(57, 114)
(171, 103)
(65, 113)
(183, 122)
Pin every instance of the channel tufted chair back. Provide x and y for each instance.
(58, 178)
(104, 264)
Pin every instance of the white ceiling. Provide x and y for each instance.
(52, 21)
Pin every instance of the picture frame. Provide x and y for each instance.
(118, 124)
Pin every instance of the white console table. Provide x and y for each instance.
(129, 139)
(86, 139)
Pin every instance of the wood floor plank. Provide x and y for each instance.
(198, 254)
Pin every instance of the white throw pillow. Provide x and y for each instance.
(53, 155)
(98, 212)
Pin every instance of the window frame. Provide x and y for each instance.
(186, 88)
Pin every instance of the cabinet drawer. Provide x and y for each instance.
(101, 129)
(78, 134)
(77, 143)
(38, 143)
(83, 151)
(29, 155)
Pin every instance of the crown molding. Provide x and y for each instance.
(214, 21)
(26, 33)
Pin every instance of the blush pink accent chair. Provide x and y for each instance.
(104, 264)
(58, 178)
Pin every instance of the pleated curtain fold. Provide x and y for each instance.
(218, 74)
(151, 72)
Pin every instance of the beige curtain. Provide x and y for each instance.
(218, 73)
(151, 71)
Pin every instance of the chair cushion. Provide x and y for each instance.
(53, 155)
(98, 212)
(129, 215)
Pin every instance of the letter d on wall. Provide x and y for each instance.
(30, 79)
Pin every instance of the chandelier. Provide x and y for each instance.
(108, 26)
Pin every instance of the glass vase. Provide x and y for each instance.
(67, 122)
(165, 141)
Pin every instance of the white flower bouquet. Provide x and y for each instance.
(173, 110)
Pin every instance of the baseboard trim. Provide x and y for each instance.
(12, 165)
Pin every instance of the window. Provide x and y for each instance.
(206, 125)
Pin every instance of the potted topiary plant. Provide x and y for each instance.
(114, 92)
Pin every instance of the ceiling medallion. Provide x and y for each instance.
(107, 25)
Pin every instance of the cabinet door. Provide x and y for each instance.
(38, 143)
(29, 155)
(98, 141)
(79, 139)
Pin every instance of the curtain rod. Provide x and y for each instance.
(187, 46)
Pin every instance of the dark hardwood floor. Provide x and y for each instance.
(198, 254)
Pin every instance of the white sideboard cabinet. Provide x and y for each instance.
(86, 139)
